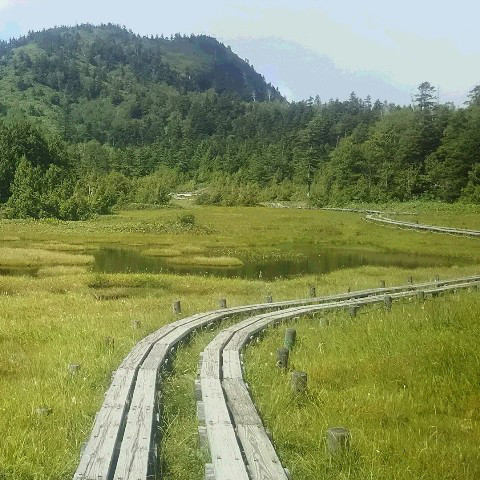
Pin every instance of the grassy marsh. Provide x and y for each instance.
(67, 313)
(405, 383)
(245, 232)
(36, 257)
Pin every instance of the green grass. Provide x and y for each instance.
(60, 247)
(406, 384)
(65, 314)
(35, 257)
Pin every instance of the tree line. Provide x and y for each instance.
(103, 118)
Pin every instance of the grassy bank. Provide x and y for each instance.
(405, 383)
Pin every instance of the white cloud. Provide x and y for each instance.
(4, 4)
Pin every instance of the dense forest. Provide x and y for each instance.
(97, 117)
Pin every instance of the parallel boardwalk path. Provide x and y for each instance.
(426, 228)
(122, 444)
(223, 389)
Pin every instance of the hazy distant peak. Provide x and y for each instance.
(300, 72)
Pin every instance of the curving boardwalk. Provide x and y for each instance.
(121, 445)
(123, 441)
(239, 445)
(419, 226)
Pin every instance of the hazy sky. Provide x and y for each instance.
(398, 43)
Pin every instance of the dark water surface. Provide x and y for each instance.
(118, 260)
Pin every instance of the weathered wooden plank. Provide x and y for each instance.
(232, 365)
(226, 455)
(240, 404)
(263, 462)
(100, 453)
(214, 404)
(97, 460)
(157, 356)
(134, 460)
(225, 451)
(136, 453)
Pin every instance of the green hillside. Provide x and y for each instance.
(66, 77)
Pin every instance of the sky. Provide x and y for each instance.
(306, 47)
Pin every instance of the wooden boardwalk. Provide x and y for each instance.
(422, 227)
(234, 428)
(123, 441)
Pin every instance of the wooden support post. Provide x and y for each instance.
(349, 290)
(437, 278)
(338, 440)
(421, 295)
(388, 302)
(109, 343)
(200, 413)
(43, 411)
(158, 400)
(269, 299)
(199, 365)
(136, 324)
(209, 472)
(382, 283)
(73, 368)
(290, 337)
(324, 322)
(177, 307)
(353, 310)
(202, 437)
(299, 382)
(222, 303)
(313, 291)
(198, 390)
(82, 448)
(410, 280)
(282, 358)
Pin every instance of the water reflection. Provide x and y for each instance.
(118, 260)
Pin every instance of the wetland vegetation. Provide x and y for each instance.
(100, 128)
(69, 313)
(404, 382)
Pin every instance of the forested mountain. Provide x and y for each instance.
(92, 116)
(117, 87)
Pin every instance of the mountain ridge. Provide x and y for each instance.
(64, 71)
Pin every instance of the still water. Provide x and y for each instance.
(118, 260)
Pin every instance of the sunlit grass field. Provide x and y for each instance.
(67, 314)
(405, 383)
(245, 231)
